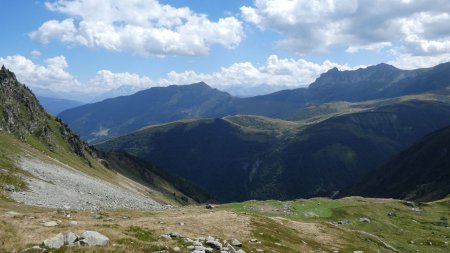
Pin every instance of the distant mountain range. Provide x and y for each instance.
(122, 115)
(57, 105)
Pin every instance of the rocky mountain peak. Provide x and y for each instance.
(22, 115)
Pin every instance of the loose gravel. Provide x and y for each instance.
(58, 186)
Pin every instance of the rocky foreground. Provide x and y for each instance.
(319, 225)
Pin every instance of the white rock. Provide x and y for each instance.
(50, 224)
(176, 249)
(11, 214)
(236, 242)
(70, 238)
(55, 242)
(166, 237)
(72, 222)
(94, 238)
(197, 243)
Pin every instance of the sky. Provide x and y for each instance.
(86, 49)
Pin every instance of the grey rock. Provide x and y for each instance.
(364, 220)
(214, 244)
(50, 224)
(71, 238)
(231, 249)
(236, 242)
(187, 240)
(9, 188)
(33, 249)
(174, 234)
(209, 206)
(55, 242)
(197, 243)
(167, 237)
(93, 238)
(344, 222)
(199, 248)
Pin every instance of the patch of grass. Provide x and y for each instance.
(142, 234)
(297, 210)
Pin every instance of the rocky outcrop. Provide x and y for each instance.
(91, 238)
(22, 115)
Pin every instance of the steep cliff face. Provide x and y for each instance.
(23, 116)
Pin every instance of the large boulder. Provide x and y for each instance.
(93, 238)
(55, 242)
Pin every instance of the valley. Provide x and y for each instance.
(246, 126)
(228, 182)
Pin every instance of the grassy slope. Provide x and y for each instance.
(420, 172)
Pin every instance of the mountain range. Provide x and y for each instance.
(329, 139)
(122, 115)
(243, 157)
(315, 141)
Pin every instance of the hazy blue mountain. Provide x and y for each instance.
(125, 114)
(57, 105)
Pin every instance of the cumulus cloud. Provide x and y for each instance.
(143, 27)
(52, 74)
(275, 71)
(408, 61)
(420, 27)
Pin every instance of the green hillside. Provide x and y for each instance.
(248, 157)
(421, 172)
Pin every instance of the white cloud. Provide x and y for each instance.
(52, 75)
(35, 54)
(275, 72)
(408, 61)
(420, 26)
(109, 80)
(143, 27)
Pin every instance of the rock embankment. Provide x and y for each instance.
(57, 186)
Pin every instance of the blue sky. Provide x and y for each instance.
(84, 48)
